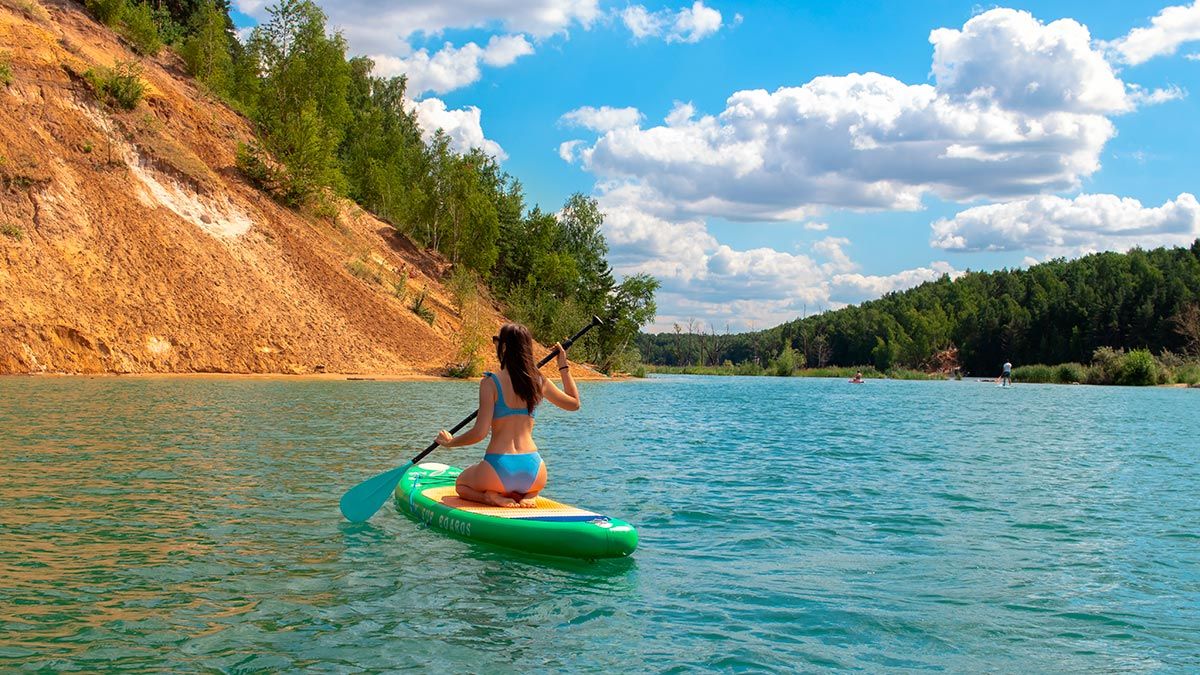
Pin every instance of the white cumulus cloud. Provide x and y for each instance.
(1061, 226)
(1169, 29)
(1008, 57)
(566, 150)
(603, 118)
(687, 24)
(375, 27)
(1017, 107)
(837, 260)
(855, 288)
(715, 284)
(451, 67)
(462, 126)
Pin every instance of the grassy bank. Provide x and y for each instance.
(1138, 367)
(751, 369)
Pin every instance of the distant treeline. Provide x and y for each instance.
(328, 127)
(1056, 312)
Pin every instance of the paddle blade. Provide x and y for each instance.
(363, 500)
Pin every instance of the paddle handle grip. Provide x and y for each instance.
(596, 321)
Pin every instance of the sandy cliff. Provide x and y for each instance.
(130, 244)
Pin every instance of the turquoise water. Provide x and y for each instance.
(786, 524)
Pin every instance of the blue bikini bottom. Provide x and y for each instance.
(517, 473)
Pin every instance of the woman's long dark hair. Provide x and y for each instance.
(514, 350)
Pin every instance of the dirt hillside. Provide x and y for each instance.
(129, 243)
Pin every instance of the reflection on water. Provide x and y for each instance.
(191, 524)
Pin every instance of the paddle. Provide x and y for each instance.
(363, 500)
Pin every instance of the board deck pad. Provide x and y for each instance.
(427, 494)
(545, 507)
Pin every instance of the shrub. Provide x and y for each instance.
(120, 85)
(747, 368)
(700, 370)
(1188, 374)
(1139, 368)
(1070, 373)
(423, 310)
(639, 370)
(256, 167)
(909, 374)
(325, 206)
(363, 270)
(400, 286)
(840, 371)
(6, 73)
(168, 30)
(12, 231)
(138, 26)
(463, 285)
(462, 371)
(784, 365)
(1106, 366)
(108, 12)
(32, 10)
(264, 173)
(1035, 372)
(472, 335)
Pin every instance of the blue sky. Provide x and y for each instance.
(974, 137)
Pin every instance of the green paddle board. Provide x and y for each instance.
(426, 494)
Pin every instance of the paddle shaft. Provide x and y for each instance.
(565, 345)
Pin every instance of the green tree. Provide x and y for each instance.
(206, 50)
(785, 363)
(582, 239)
(108, 12)
(302, 108)
(382, 155)
(628, 307)
(138, 26)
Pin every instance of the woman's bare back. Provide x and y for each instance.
(513, 434)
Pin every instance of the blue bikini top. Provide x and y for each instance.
(501, 408)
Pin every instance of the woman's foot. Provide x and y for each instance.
(497, 499)
(527, 500)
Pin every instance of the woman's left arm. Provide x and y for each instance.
(483, 420)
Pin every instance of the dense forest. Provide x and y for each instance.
(327, 127)
(1056, 312)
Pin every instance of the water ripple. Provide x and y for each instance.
(787, 524)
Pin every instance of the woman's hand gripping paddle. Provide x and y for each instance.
(363, 500)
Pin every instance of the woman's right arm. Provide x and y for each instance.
(483, 420)
(569, 399)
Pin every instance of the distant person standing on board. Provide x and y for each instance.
(1006, 376)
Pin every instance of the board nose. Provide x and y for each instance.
(622, 540)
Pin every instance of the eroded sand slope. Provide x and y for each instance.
(132, 245)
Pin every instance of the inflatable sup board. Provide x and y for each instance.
(426, 494)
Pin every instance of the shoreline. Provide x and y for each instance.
(590, 376)
(932, 378)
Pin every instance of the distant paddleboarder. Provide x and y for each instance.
(857, 378)
(512, 472)
(1006, 376)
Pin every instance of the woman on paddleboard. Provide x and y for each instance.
(512, 472)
